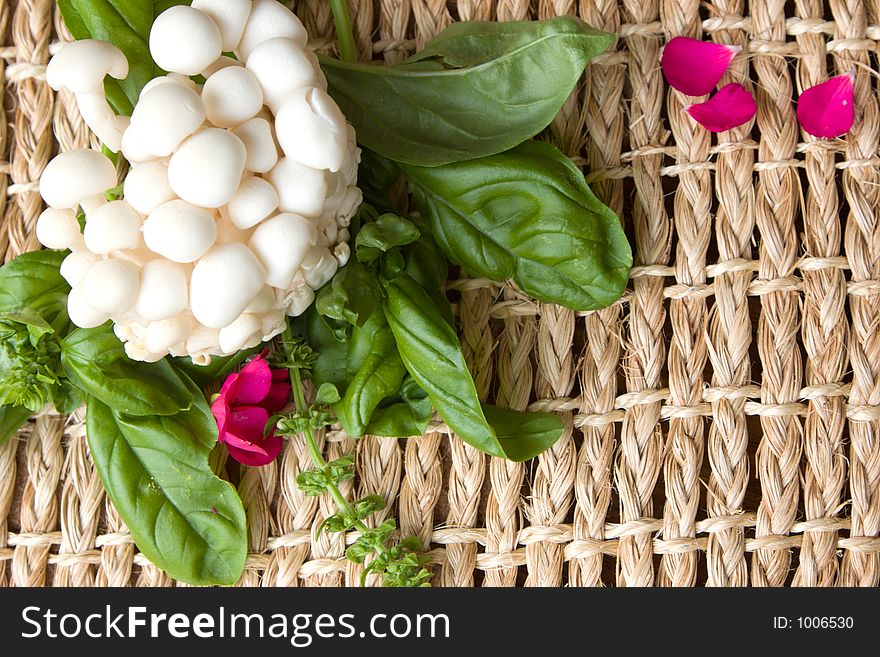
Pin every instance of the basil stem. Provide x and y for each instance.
(344, 31)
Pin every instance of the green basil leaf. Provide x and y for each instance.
(385, 233)
(126, 24)
(478, 88)
(155, 469)
(95, 361)
(375, 371)
(66, 397)
(377, 176)
(406, 414)
(31, 282)
(432, 354)
(12, 418)
(218, 368)
(327, 394)
(538, 223)
(352, 295)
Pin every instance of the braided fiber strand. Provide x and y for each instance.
(730, 333)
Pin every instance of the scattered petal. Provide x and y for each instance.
(695, 67)
(257, 455)
(730, 107)
(248, 423)
(826, 110)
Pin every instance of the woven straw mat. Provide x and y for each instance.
(722, 420)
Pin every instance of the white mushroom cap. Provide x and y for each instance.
(256, 135)
(230, 16)
(75, 266)
(92, 203)
(301, 189)
(218, 64)
(311, 129)
(180, 231)
(138, 256)
(111, 285)
(59, 229)
(164, 333)
(113, 226)
(80, 66)
(232, 96)
(207, 168)
(223, 284)
(264, 300)
(282, 67)
(165, 116)
(228, 231)
(163, 291)
(342, 253)
(318, 267)
(137, 350)
(184, 40)
(281, 243)
(255, 200)
(134, 146)
(297, 298)
(270, 19)
(170, 78)
(81, 313)
(146, 187)
(76, 175)
(244, 333)
(98, 115)
(201, 341)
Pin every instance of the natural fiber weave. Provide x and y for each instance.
(722, 419)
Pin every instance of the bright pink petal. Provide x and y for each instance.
(730, 107)
(279, 395)
(826, 110)
(255, 455)
(254, 381)
(280, 375)
(695, 67)
(228, 390)
(248, 423)
(220, 409)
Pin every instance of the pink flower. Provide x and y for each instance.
(730, 107)
(695, 67)
(242, 410)
(826, 110)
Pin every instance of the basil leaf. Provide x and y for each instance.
(126, 24)
(406, 414)
(331, 364)
(12, 418)
(432, 354)
(181, 516)
(374, 372)
(478, 88)
(380, 236)
(95, 361)
(30, 282)
(537, 222)
(377, 176)
(352, 295)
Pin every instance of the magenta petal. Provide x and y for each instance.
(279, 395)
(220, 409)
(826, 110)
(255, 455)
(257, 458)
(730, 107)
(695, 67)
(228, 389)
(248, 423)
(254, 381)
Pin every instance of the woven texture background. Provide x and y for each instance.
(722, 419)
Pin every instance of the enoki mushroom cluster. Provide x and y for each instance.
(240, 191)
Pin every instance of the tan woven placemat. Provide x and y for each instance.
(723, 419)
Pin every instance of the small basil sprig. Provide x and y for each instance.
(476, 89)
